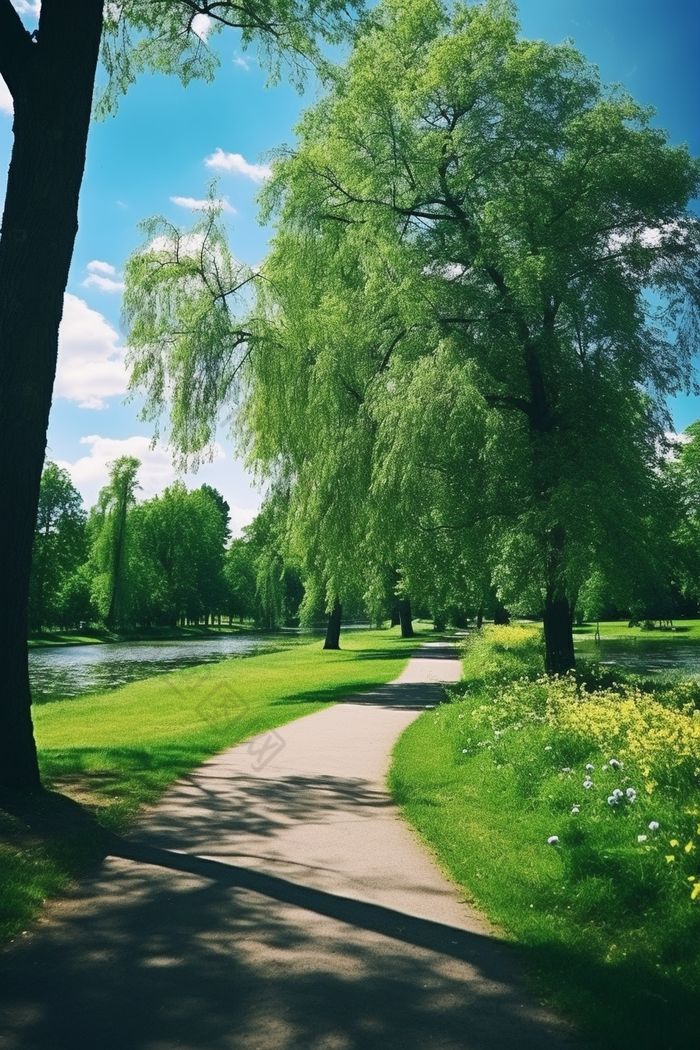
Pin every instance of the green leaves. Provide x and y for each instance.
(187, 346)
(173, 36)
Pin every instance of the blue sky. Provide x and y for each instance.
(155, 151)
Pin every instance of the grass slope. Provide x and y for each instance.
(605, 923)
(117, 751)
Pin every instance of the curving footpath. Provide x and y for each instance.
(275, 900)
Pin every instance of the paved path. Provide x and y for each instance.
(275, 901)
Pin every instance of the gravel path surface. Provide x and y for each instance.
(275, 900)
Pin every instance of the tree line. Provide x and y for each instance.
(163, 562)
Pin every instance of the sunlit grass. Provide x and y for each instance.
(116, 751)
(684, 631)
(605, 922)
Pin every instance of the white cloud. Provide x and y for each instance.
(241, 63)
(90, 473)
(235, 164)
(202, 26)
(90, 361)
(6, 104)
(27, 7)
(204, 205)
(188, 244)
(103, 284)
(97, 266)
(101, 276)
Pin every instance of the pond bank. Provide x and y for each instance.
(101, 636)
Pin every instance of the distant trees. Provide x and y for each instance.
(60, 548)
(167, 561)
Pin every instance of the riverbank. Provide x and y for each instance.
(101, 636)
(116, 752)
(682, 631)
(568, 811)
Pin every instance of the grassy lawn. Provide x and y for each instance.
(684, 631)
(117, 751)
(606, 916)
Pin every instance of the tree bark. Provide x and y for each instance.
(558, 636)
(51, 80)
(405, 615)
(333, 630)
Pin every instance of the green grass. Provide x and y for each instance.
(605, 925)
(684, 632)
(117, 751)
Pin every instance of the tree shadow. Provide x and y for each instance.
(168, 949)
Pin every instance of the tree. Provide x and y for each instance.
(467, 212)
(111, 540)
(239, 576)
(50, 74)
(59, 545)
(532, 226)
(278, 587)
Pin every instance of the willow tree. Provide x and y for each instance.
(301, 363)
(109, 526)
(536, 224)
(50, 73)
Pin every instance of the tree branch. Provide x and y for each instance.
(16, 48)
(506, 401)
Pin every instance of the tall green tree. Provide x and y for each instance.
(50, 74)
(110, 551)
(175, 555)
(239, 577)
(59, 545)
(534, 224)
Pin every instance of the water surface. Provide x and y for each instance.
(645, 656)
(63, 672)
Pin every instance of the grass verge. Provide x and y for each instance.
(603, 904)
(117, 751)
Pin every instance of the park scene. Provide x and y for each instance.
(350, 559)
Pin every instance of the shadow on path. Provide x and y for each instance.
(167, 950)
(314, 941)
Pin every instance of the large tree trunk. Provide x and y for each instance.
(333, 630)
(405, 615)
(51, 81)
(558, 636)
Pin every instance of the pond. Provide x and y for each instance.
(643, 656)
(64, 672)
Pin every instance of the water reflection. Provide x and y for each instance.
(69, 671)
(644, 656)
